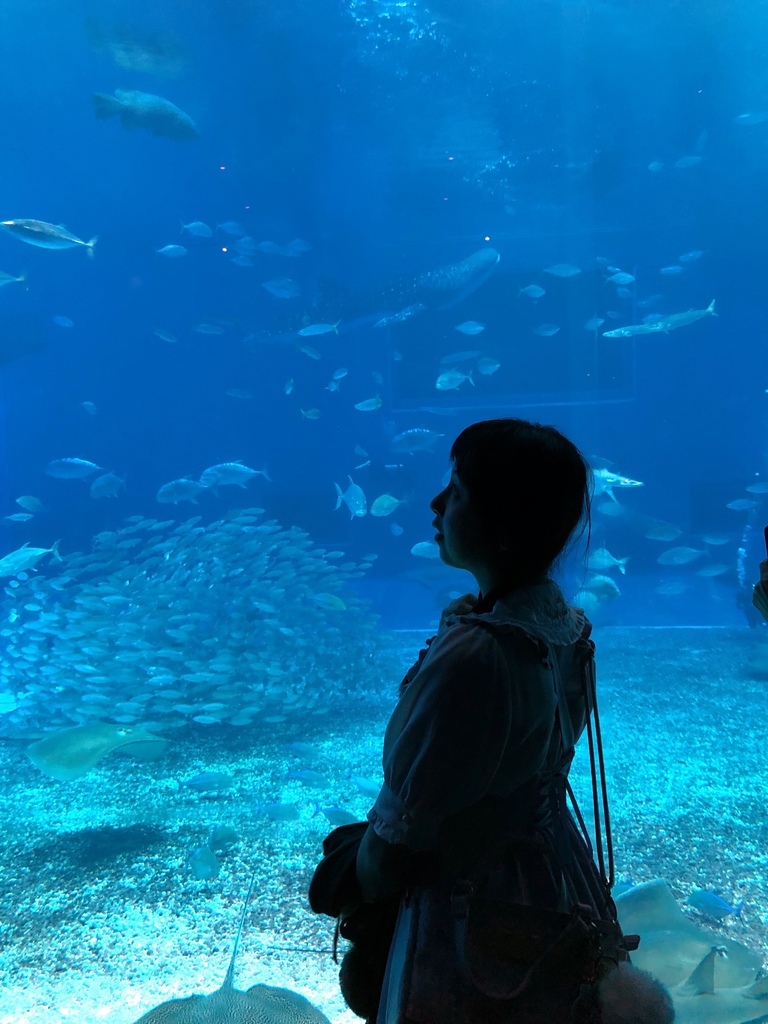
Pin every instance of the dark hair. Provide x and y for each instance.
(528, 486)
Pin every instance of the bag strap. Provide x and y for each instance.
(585, 649)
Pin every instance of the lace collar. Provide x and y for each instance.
(540, 610)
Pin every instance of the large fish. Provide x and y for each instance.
(45, 235)
(260, 1004)
(409, 296)
(665, 325)
(143, 110)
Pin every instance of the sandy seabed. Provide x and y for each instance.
(101, 919)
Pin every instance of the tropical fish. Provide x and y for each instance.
(144, 110)
(547, 330)
(19, 517)
(45, 235)
(354, 498)
(533, 291)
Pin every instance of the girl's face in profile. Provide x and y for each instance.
(459, 535)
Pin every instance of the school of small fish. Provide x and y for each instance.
(168, 623)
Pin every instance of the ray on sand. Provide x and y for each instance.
(712, 980)
(66, 754)
(260, 1004)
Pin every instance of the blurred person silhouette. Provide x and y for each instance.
(471, 895)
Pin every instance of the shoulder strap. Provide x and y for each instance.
(585, 651)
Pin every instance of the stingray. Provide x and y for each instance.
(69, 753)
(261, 1004)
(712, 980)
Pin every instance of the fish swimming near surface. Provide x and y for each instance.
(260, 1004)
(45, 235)
(143, 110)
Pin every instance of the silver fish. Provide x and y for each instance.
(46, 236)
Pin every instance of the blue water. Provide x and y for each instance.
(394, 139)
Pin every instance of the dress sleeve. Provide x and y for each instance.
(447, 751)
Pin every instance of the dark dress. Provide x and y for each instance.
(476, 756)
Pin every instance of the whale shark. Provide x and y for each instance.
(401, 299)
